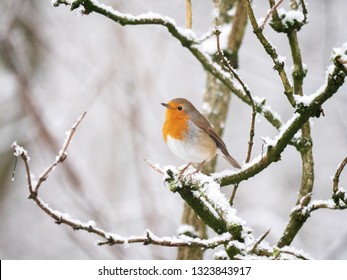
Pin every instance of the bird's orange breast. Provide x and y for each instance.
(176, 124)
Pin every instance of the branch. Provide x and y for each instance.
(302, 211)
(189, 16)
(188, 40)
(270, 12)
(233, 72)
(232, 230)
(110, 238)
(337, 175)
(271, 51)
(335, 79)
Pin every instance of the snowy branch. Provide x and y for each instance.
(202, 193)
(109, 238)
(271, 51)
(186, 37)
(311, 108)
(233, 234)
(270, 12)
(302, 211)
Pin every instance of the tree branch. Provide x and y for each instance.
(337, 175)
(271, 51)
(186, 38)
(233, 72)
(189, 16)
(270, 12)
(335, 80)
(302, 211)
(110, 238)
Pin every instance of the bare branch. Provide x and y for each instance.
(233, 72)
(260, 240)
(271, 51)
(110, 238)
(337, 175)
(335, 80)
(62, 153)
(189, 16)
(270, 12)
(155, 167)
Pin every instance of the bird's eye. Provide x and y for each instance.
(179, 108)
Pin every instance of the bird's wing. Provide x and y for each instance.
(205, 126)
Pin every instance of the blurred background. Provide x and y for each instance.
(55, 64)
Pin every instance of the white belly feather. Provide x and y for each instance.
(191, 151)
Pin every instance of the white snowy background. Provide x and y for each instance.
(119, 75)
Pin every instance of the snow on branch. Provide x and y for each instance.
(186, 37)
(337, 202)
(109, 238)
(90, 226)
(335, 77)
(203, 195)
(207, 200)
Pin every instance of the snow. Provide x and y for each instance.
(290, 17)
(305, 99)
(340, 52)
(210, 45)
(215, 200)
(19, 150)
(184, 229)
(221, 255)
(281, 59)
(294, 252)
(231, 12)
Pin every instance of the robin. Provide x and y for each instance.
(190, 136)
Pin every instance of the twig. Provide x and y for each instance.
(155, 167)
(150, 238)
(295, 254)
(269, 13)
(292, 127)
(14, 168)
(190, 42)
(260, 240)
(232, 197)
(271, 51)
(233, 72)
(110, 238)
(304, 10)
(189, 17)
(62, 153)
(337, 175)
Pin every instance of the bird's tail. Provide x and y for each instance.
(232, 161)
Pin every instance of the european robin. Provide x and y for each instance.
(190, 136)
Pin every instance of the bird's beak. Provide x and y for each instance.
(165, 105)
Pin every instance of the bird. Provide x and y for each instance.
(190, 136)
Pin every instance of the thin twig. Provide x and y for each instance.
(14, 168)
(295, 254)
(232, 197)
(271, 51)
(110, 238)
(260, 240)
(189, 42)
(189, 16)
(233, 72)
(154, 166)
(62, 154)
(337, 175)
(269, 13)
